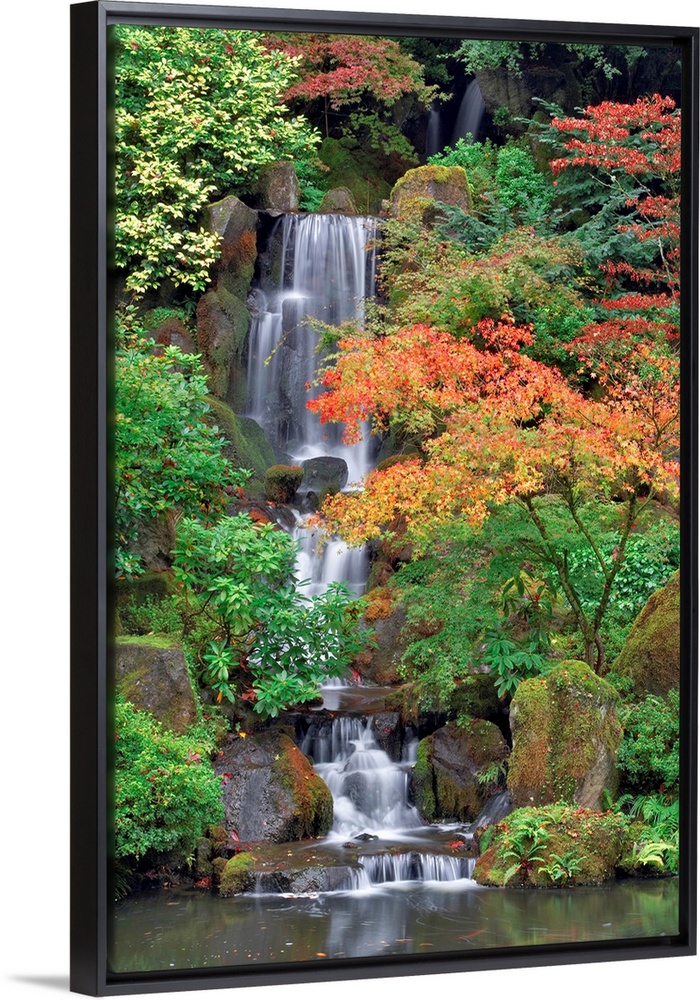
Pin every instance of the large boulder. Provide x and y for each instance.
(151, 673)
(565, 738)
(324, 473)
(276, 189)
(237, 226)
(271, 792)
(651, 656)
(423, 186)
(154, 542)
(448, 781)
(223, 321)
(338, 201)
(379, 663)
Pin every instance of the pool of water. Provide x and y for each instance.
(190, 929)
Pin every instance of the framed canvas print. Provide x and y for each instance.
(384, 495)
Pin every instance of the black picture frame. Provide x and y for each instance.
(91, 594)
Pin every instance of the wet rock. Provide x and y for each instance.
(324, 473)
(271, 792)
(388, 732)
(447, 780)
(151, 673)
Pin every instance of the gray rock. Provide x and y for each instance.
(338, 201)
(271, 792)
(151, 673)
(277, 188)
(323, 472)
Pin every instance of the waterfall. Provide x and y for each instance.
(324, 271)
(433, 132)
(471, 111)
(370, 791)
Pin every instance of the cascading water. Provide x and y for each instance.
(371, 804)
(324, 271)
(470, 114)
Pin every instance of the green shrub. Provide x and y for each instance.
(165, 791)
(648, 757)
(282, 482)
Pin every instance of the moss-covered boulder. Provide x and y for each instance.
(237, 225)
(429, 184)
(651, 656)
(151, 672)
(448, 778)
(271, 792)
(247, 447)
(237, 875)
(168, 328)
(379, 662)
(276, 189)
(557, 845)
(338, 201)
(565, 738)
(223, 321)
(282, 482)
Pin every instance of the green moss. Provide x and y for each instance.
(651, 654)
(422, 781)
(152, 641)
(358, 171)
(248, 448)
(556, 845)
(282, 482)
(561, 726)
(237, 875)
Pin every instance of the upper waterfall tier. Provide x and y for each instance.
(321, 269)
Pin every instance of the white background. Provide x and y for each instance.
(34, 564)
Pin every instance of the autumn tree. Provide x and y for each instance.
(498, 426)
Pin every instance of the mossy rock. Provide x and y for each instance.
(550, 847)
(338, 201)
(271, 792)
(565, 738)
(423, 186)
(223, 322)
(282, 482)
(151, 672)
(651, 656)
(236, 224)
(237, 875)
(445, 783)
(248, 448)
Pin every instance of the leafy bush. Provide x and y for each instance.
(165, 791)
(166, 458)
(648, 757)
(254, 634)
(282, 482)
(197, 113)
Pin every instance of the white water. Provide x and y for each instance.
(470, 114)
(326, 271)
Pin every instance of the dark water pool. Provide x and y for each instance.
(181, 929)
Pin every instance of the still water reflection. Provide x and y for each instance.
(179, 929)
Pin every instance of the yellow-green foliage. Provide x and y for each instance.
(563, 724)
(237, 876)
(651, 654)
